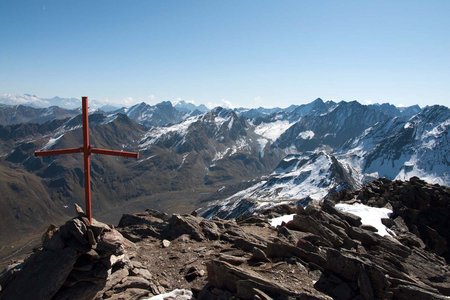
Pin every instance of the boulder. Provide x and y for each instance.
(366, 237)
(307, 223)
(280, 249)
(42, 275)
(238, 280)
(185, 224)
(210, 230)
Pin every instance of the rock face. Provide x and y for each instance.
(74, 262)
(321, 254)
(419, 208)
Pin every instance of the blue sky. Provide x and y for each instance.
(245, 53)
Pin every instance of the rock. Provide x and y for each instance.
(144, 273)
(434, 240)
(260, 295)
(157, 214)
(91, 237)
(114, 279)
(417, 208)
(259, 255)
(77, 229)
(133, 282)
(343, 291)
(52, 240)
(410, 240)
(192, 273)
(165, 243)
(131, 294)
(81, 290)
(247, 244)
(293, 236)
(350, 267)
(283, 209)
(210, 230)
(185, 224)
(353, 220)
(142, 219)
(85, 220)
(111, 242)
(42, 275)
(98, 273)
(9, 273)
(345, 265)
(364, 284)
(83, 263)
(98, 228)
(400, 225)
(367, 238)
(369, 228)
(307, 223)
(408, 292)
(306, 245)
(388, 222)
(252, 220)
(234, 260)
(225, 276)
(136, 233)
(282, 249)
(79, 211)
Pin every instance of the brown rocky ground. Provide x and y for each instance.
(321, 254)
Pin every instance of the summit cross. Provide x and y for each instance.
(87, 150)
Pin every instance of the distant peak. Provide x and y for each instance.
(318, 100)
(164, 104)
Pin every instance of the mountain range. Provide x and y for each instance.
(230, 162)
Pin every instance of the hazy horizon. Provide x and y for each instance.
(99, 103)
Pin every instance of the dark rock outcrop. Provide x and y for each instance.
(74, 262)
(419, 208)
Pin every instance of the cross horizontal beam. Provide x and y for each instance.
(114, 152)
(91, 150)
(58, 151)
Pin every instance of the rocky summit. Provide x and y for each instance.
(321, 252)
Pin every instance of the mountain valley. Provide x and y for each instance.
(228, 162)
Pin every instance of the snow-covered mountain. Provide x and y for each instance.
(19, 114)
(223, 144)
(246, 159)
(163, 113)
(400, 148)
(190, 108)
(298, 178)
(220, 126)
(39, 102)
(343, 145)
(333, 125)
(160, 114)
(143, 113)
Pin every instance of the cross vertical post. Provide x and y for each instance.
(87, 150)
(87, 158)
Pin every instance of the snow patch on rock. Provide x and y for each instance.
(369, 215)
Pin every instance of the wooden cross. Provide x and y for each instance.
(87, 151)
